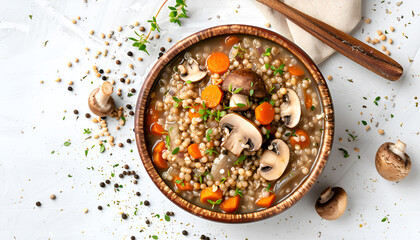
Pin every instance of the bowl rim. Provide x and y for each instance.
(320, 161)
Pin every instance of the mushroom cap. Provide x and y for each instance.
(332, 203)
(290, 110)
(244, 78)
(392, 166)
(194, 72)
(242, 133)
(273, 163)
(101, 103)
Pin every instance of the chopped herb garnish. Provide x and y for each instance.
(52, 152)
(240, 51)
(30, 16)
(251, 92)
(268, 134)
(86, 152)
(219, 201)
(177, 101)
(364, 122)
(376, 100)
(155, 237)
(129, 95)
(116, 165)
(267, 52)
(87, 131)
(384, 219)
(293, 133)
(352, 136)
(271, 89)
(209, 131)
(180, 181)
(279, 70)
(67, 144)
(167, 218)
(240, 159)
(223, 180)
(312, 108)
(392, 115)
(238, 192)
(211, 151)
(240, 104)
(175, 151)
(268, 189)
(102, 149)
(168, 142)
(188, 82)
(69, 175)
(346, 154)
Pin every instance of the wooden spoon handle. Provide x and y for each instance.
(343, 43)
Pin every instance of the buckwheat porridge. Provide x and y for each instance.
(234, 124)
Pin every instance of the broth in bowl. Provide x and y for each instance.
(234, 124)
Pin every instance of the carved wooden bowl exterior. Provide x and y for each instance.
(325, 147)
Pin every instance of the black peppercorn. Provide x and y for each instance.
(87, 115)
(122, 80)
(126, 166)
(131, 113)
(146, 203)
(99, 207)
(128, 140)
(125, 172)
(75, 111)
(116, 185)
(136, 176)
(102, 184)
(38, 204)
(103, 118)
(104, 78)
(133, 238)
(184, 232)
(135, 181)
(162, 49)
(70, 88)
(124, 216)
(128, 106)
(107, 181)
(121, 175)
(147, 222)
(101, 71)
(133, 90)
(129, 53)
(138, 194)
(118, 62)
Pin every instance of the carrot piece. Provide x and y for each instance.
(194, 151)
(159, 147)
(296, 70)
(299, 133)
(266, 201)
(194, 113)
(231, 40)
(182, 185)
(308, 101)
(212, 95)
(208, 194)
(264, 113)
(231, 204)
(157, 129)
(218, 62)
(159, 161)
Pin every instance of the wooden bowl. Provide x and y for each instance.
(326, 142)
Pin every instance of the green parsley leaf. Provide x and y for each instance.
(175, 151)
(155, 237)
(177, 101)
(167, 218)
(67, 144)
(30, 16)
(251, 92)
(102, 149)
(86, 152)
(240, 159)
(364, 122)
(238, 192)
(180, 181)
(267, 52)
(209, 131)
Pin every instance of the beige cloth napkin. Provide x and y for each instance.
(341, 14)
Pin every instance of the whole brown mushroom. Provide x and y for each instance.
(100, 101)
(332, 203)
(391, 161)
(243, 83)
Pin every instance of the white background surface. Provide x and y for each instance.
(32, 125)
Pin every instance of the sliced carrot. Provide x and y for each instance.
(212, 95)
(159, 161)
(296, 70)
(193, 112)
(194, 151)
(264, 113)
(218, 62)
(231, 40)
(308, 101)
(266, 201)
(157, 129)
(231, 204)
(208, 194)
(299, 133)
(182, 185)
(159, 147)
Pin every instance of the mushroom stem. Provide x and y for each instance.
(104, 93)
(326, 195)
(399, 149)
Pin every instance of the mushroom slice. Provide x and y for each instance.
(191, 71)
(273, 163)
(242, 134)
(290, 110)
(391, 161)
(239, 102)
(332, 203)
(221, 165)
(100, 101)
